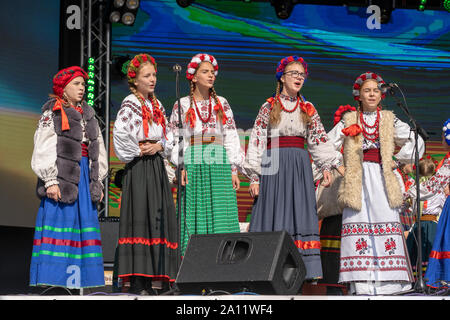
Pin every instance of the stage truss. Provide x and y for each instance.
(96, 44)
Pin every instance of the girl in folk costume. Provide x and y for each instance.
(373, 252)
(438, 269)
(212, 155)
(430, 210)
(279, 167)
(69, 159)
(148, 227)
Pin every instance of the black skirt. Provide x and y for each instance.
(148, 239)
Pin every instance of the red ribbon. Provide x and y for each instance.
(190, 117)
(308, 108)
(271, 100)
(64, 120)
(353, 130)
(146, 116)
(218, 107)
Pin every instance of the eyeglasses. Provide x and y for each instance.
(296, 74)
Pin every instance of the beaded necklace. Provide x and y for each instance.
(289, 111)
(375, 126)
(209, 111)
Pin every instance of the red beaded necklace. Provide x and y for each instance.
(289, 111)
(209, 111)
(375, 126)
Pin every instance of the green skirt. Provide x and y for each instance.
(208, 201)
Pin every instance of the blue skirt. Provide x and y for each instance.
(67, 249)
(439, 260)
(287, 201)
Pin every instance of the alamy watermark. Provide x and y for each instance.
(374, 20)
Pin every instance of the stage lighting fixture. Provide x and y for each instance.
(132, 4)
(90, 88)
(447, 5)
(114, 17)
(422, 5)
(128, 18)
(184, 3)
(283, 8)
(118, 3)
(124, 11)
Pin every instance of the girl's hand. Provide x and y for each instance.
(54, 193)
(148, 148)
(184, 178)
(254, 190)
(235, 181)
(327, 178)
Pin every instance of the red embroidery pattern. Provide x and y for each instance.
(46, 120)
(371, 263)
(361, 246)
(390, 246)
(316, 130)
(380, 229)
(148, 242)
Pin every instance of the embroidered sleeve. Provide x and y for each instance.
(257, 144)
(102, 158)
(43, 160)
(436, 184)
(231, 141)
(404, 138)
(320, 148)
(125, 141)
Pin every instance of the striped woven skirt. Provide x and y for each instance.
(208, 202)
(287, 201)
(67, 249)
(330, 249)
(147, 244)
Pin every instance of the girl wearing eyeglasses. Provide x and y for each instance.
(279, 167)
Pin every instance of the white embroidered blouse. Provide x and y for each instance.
(129, 131)
(211, 127)
(43, 160)
(321, 151)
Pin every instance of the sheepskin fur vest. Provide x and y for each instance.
(351, 186)
(68, 150)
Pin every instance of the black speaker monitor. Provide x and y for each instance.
(259, 262)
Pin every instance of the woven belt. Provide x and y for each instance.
(286, 142)
(428, 217)
(198, 140)
(84, 150)
(372, 155)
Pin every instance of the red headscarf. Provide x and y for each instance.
(60, 81)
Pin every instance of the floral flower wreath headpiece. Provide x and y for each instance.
(340, 112)
(446, 130)
(195, 63)
(285, 61)
(363, 77)
(133, 65)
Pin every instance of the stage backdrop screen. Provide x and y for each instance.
(248, 40)
(28, 61)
